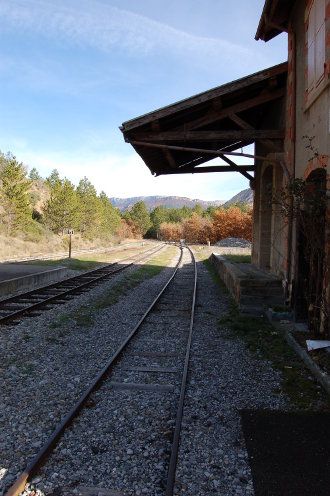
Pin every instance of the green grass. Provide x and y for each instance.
(147, 271)
(60, 321)
(237, 258)
(70, 263)
(84, 316)
(215, 276)
(263, 340)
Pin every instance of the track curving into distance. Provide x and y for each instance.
(175, 301)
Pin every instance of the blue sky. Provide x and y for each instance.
(72, 71)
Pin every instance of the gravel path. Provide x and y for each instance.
(45, 368)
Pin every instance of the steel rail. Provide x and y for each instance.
(73, 278)
(19, 485)
(177, 431)
(63, 294)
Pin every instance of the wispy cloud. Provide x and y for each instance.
(106, 27)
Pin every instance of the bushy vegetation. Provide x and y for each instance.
(38, 207)
(235, 221)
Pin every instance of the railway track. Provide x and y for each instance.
(31, 303)
(148, 372)
(64, 254)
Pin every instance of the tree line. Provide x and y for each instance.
(66, 206)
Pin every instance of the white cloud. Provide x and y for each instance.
(103, 26)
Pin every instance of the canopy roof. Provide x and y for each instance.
(182, 136)
(274, 19)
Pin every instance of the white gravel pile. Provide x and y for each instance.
(233, 243)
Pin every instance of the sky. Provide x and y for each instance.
(73, 71)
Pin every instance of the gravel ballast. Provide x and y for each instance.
(45, 369)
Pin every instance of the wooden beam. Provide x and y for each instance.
(228, 148)
(213, 115)
(211, 168)
(217, 103)
(236, 167)
(197, 136)
(155, 126)
(270, 145)
(201, 151)
(240, 122)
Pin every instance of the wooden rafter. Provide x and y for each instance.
(270, 145)
(202, 159)
(182, 136)
(211, 168)
(201, 151)
(216, 115)
(237, 168)
(156, 127)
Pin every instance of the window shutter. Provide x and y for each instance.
(319, 41)
(311, 49)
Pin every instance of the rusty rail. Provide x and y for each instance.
(177, 431)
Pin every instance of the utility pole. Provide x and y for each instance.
(70, 232)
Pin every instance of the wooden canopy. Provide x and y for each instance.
(274, 19)
(181, 137)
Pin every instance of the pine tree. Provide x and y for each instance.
(140, 217)
(89, 214)
(14, 193)
(34, 175)
(62, 209)
(110, 216)
(159, 215)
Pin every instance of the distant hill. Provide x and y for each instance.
(152, 202)
(245, 196)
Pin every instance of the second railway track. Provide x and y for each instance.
(32, 302)
(133, 419)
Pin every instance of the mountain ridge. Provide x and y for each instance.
(152, 202)
(244, 196)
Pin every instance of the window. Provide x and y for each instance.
(316, 45)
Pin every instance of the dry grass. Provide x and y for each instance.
(12, 248)
(203, 251)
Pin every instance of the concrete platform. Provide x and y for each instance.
(20, 277)
(251, 288)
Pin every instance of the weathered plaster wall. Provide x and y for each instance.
(269, 230)
(312, 119)
(312, 122)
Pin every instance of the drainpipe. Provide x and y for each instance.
(289, 288)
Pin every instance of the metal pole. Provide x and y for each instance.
(202, 151)
(70, 246)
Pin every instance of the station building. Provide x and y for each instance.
(284, 110)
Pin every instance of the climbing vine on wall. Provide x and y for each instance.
(303, 203)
